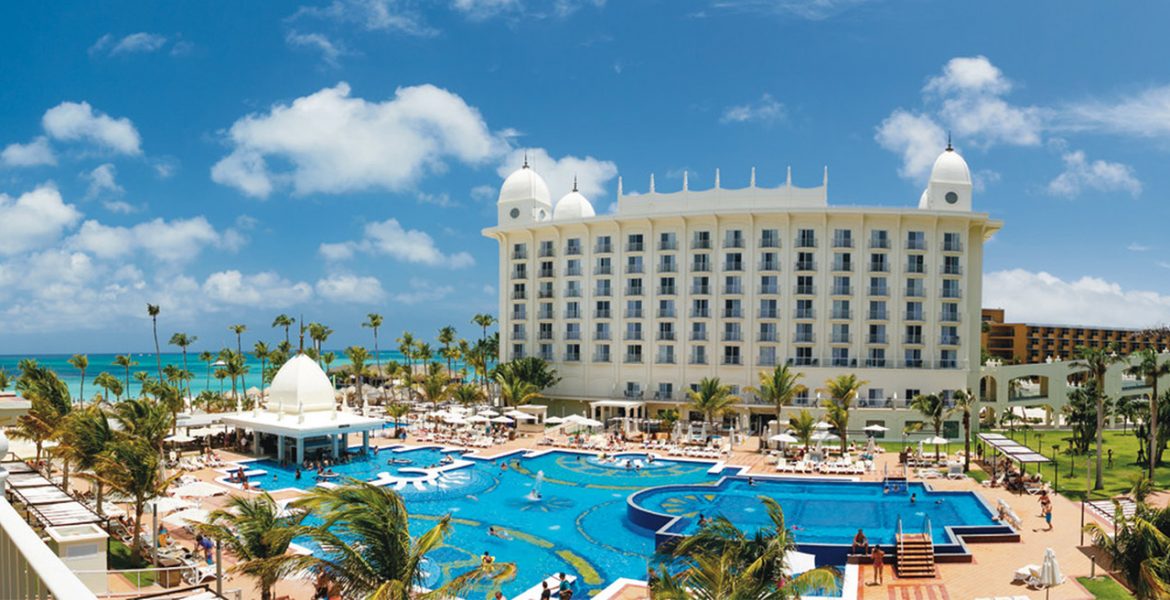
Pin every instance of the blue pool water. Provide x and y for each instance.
(580, 525)
(363, 469)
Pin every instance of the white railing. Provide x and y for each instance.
(29, 570)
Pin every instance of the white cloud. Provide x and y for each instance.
(1144, 114)
(441, 199)
(330, 51)
(969, 74)
(35, 153)
(372, 15)
(1081, 174)
(336, 143)
(765, 110)
(483, 9)
(75, 121)
(423, 291)
(260, 290)
(813, 10)
(389, 238)
(102, 179)
(591, 174)
(918, 138)
(483, 193)
(351, 289)
(1136, 247)
(1045, 298)
(176, 241)
(135, 43)
(120, 207)
(34, 220)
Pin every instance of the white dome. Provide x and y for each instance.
(300, 385)
(525, 184)
(573, 206)
(951, 168)
(924, 199)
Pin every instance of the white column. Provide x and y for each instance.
(300, 451)
(335, 439)
(279, 447)
(365, 442)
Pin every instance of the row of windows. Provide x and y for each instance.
(732, 308)
(701, 285)
(732, 356)
(734, 238)
(734, 261)
(868, 397)
(840, 333)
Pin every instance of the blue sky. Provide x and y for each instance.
(231, 162)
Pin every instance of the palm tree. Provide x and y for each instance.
(397, 410)
(406, 347)
(126, 362)
(236, 367)
(153, 310)
(183, 341)
(328, 359)
(389, 565)
(86, 433)
(110, 384)
(434, 389)
(1138, 548)
(239, 330)
(285, 321)
(515, 391)
(49, 400)
(1097, 361)
(934, 409)
(260, 350)
(207, 357)
(81, 363)
(6, 380)
(258, 533)
(1150, 369)
(965, 403)
(357, 356)
(446, 336)
(484, 320)
(132, 466)
(720, 562)
(712, 399)
(842, 392)
(803, 424)
(467, 394)
(778, 388)
(318, 332)
(374, 321)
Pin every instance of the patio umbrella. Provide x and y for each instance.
(520, 415)
(502, 419)
(821, 436)
(783, 438)
(179, 438)
(477, 419)
(167, 504)
(936, 441)
(553, 421)
(199, 489)
(875, 428)
(1050, 572)
(589, 422)
(489, 413)
(183, 518)
(454, 420)
(823, 426)
(796, 563)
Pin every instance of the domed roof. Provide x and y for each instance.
(524, 184)
(951, 168)
(573, 206)
(300, 385)
(924, 199)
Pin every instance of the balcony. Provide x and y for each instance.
(546, 355)
(732, 360)
(665, 336)
(519, 274)
(879, 290)
(633, 313)
(769, 313)
(952, 246)
(949, 317)
(734, 288)
(806, 242)
(601, 313)
(804, 361)
(31, 569)
(547, 273)
(664, 359)
(701, 266)
(603, 248)
(519, 335)
(733, 242)
(733, 266)
(949, 340)
(914, 292)
(670, 244)
(842, 266)
(572, 292)
(841, 314)
(667, 290)
(842, 290)
(603, 292)
(915, 244)
(701, 313)
(544, 294)
(701, 290)
(912, 315)
(806, 265)
(603, 270)
(571, 313)
(519, 316)
(663, 394)
(519, 294)
(601, 335)
(547, 252)
(634, 268)
(732, 336)
(632, 359)
(878, 315)
(635, 290)
(804, 313)
(701, 244)
(698, 359)
(804, 337)
(806, 290)
(633, 335)
(769, 265)
(601, 357)
(574, 271)
(733, 313)
(573, 334)
(767, 336)
(769, 289)
(573, 250)
(698, 335)
(770, 242)
(520, 255)
(666, 313)
(667, 267)
(912, 339)
(841, 338)
(879, 363)
(879, 243)
(635, 247)
(842, 242)
(545, 315)
(572, 357)
(879, 267)
(951, 292)
(877, 338)
(951, 270)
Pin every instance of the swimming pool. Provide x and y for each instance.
(581, 525)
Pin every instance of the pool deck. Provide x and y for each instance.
(988, 576)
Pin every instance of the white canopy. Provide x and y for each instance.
(489, 413)
(821, 436)
(554, 421)
(199, 489)
(520, 415)
(875, 428)
(796, 563)
(183, 518)
(477, 419)
(783, 438)
(936, 440)
(179, 438)
(502, 419)
(167, 504)
(823, 426)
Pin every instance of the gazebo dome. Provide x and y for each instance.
(573, 206)
(300, 386)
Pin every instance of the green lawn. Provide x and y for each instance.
(1105, 588)
(121, 558)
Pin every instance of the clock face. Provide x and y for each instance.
(952, 197)
(515, 213)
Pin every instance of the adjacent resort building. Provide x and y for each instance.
(1020, 343)
(636, 306)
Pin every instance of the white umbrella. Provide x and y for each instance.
(821, 436)
(167, 504)
(1050, 572)
(454, 420)
(875, 428)
(199, 432)
(179, 438)
(187, 517)
(477, 419)
(588, 422)
(783, 438)
(503, 419)
(823, 426)
(253, 392)
(936, 441)
(553, 421)
(199, 489)
(520, 415)
(489, 413)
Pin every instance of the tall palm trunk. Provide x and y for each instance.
(1099, 482)
(1153, 421)
(966, 440)
(82, 388)
(157, 349)
(186, 373)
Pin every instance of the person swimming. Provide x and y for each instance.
(913, 498)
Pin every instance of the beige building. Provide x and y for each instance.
(635, 307)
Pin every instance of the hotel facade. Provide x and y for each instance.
(634, 308)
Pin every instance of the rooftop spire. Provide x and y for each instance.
(949, 147)
(619, 186)
(788, 181)
(752, 183)
(574, 182)
(525, 160)
(685, 185)
(716, 177)
(651, 183)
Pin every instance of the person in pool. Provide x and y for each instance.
(500, 533)
(913, 498)
(487, 559)
(751, 481)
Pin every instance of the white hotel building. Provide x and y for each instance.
(635, 307)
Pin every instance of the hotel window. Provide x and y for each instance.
(910, 394)
(770, 261)
(699, 355)
(915, 288)
(804, 309)
(666, 286)
(698, 331)
(701, 262)
(634, 242)
(840, 333)
(842, 286)
(702, 240)
(916, 263)
(879, 238)
(840, 357)
(731, 355)
(878, 264)
(732, 284)
(602, 309)
(952, 242)
(877, 334)
(804, 284)
(767, 356)
(573, 246)
(842, 261)
(950, 311)
(665, 355)
(604, 266)
(877, 310)
(949, 335)
(769, 284)
(601, 354)
(545, 290)
(666, 331)
(634, 309)
(633, 264)
(519, 251)
(634, 353)
(806, 238)
(572, 352)
(573, 310)
(668, 264)
(546, 249)
(916, 240)
(700, 308)
(546, 352)
(913, 334)
(732, 309)
(665, 391)
(768, 332)
(842, 238)
(914, 311)
(573, 289)
(768, 309)
(805, 262)
(804, 333)
(573, 331)
(948, 359)
(951, 266)
(518, 332)
(520, 271)
(546, 268)
(667, 241)
(950, 288)
(913, 358)
(733, 239)
(878, 287)
(545, 332)
(733, 262)
(876, 357)
(634, 286)
(770, 238)
(842, 310)
(804, 356)
(604, 244)
(701, 285)
(519, 312)
(573, 267)
(601, 331)
(519, 291)
(666, 309)
(732, 332)
(517, 351)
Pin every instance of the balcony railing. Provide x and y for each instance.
(767, 336)
(604, 292)
(572, 314)
(601, 335)
(519, 316)
(841, 314)
(949, 317)
(601, 357)
(603, 270)
(31, 570)
(770, 289)
(547, 252)
(733, 266)
(634, 268)
(951, 270)
(841, 338)
(664, 359)
(668, 244)
(733, 242)
(573, 292)
(666, 336)
(701, 244)
(701, 267)
(572, 335)
(601, 313)
(633, 313)
(732, 360)
(633, 359)
(879, 290)
(769, 265)
(949, 340)
(806, 265)
(545, 335)
(547, 273)
(519, 274)
(734, 288)
(804, 338)
(877, 315)
(573, 249)
(698, 336)
(698, 360)
(732, 336)
(769, 313)
(662, 394)
(666, 313)
(545, 293)
(951, 293)
(804, 313)
(842, 290)
(603, 248)
(635, 247)
(520, 255)
(879, 243)
(633, 335)
(876, 338)
(842, 266)
(914, 292)
(634, 290)
(879, 267)
(806, 242)
(667, 290)
(701, 289)
(766, 361)
(701, 313)
(913, 316)
(952, 246)
(770, 242)
(670, 267)
(573, 271)
(912, 339)
(807, 290)
(842, 242)
(915, 244)
(732, 313)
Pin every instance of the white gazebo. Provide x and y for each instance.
(301, 408)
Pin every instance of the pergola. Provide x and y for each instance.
(604, 410)
(46, 502)
(1012, 449)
